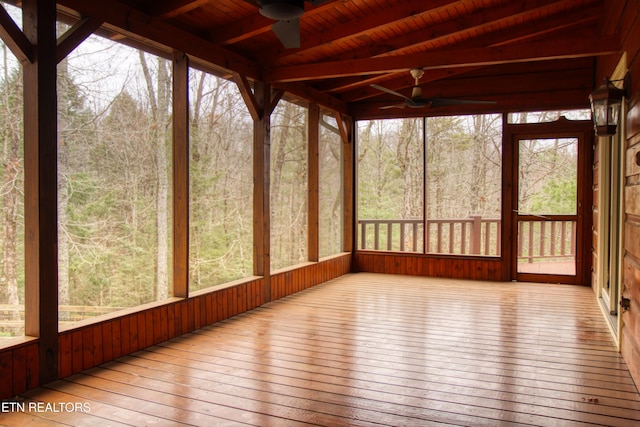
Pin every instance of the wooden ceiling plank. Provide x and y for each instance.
(360, 89)
(172, 8)
(456, 28)
(14, 38)
(137, 22)
(75, 35)
(254, 26)
(405, 11)
(542, 25)
(538, 51)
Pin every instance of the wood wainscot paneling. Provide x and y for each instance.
(19, 368)
(472, 268)
(101, 341)
(289, 281)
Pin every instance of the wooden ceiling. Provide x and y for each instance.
(524, 55)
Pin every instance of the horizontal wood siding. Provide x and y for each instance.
(631, 331)
(416, 265)
(100, 342)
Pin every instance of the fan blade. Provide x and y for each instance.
(386, 107)
(288, 32)
(443, 102)
(392, 92)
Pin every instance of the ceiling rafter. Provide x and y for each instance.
(360, 88)
(135, 21)
(450, 30)
(535, 28)
(172, 8)
(525, 52)
(405, 11)
(255, 25)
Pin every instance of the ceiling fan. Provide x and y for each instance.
(418, 101)
(287, 13)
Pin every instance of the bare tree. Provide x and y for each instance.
(160, 104)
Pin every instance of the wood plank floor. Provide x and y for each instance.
(371, 350)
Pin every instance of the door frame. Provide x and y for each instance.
(561, 128)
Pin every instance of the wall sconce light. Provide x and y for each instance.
(605, 105)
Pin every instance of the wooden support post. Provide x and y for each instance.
(261, 183)
(313, 178)
(41, 185)
(348, 182)
(180, 175)
(476, 234)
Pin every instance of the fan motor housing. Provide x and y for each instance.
(282, 10)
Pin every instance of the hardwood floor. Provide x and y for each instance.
(371, 349)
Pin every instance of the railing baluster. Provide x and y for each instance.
(552, 245)
(463, 238)
(451, 236)
(543, 228)
(530, 241)
(364, 235)
(376, 234)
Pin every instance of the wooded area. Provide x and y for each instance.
(114, 182)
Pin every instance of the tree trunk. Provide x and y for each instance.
(63, 193)
(159, 108)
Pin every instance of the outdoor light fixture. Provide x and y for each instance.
(282, 10)
(605, 106)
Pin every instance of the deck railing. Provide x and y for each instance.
(546, 239)
(539, 238)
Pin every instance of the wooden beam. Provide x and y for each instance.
(276, 96)
(41, 185)
(244, 87)
(171, 8)
(180, 175)
(261, 188)
(345, 124)
(352, 89)
(471, 57)
(313, 183)
(534, 101)
(137, 22)
(500, 20)
(313, 95)
(14, 38)
(76, 35)
(255, 25)
(407, 13)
